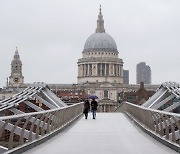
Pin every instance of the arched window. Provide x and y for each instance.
(105, 94)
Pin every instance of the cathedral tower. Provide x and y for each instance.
(16, 78)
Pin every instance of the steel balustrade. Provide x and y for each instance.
(46, 115)
(166, 125)
(19, 129)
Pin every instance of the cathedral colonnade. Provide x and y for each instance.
(100, 69)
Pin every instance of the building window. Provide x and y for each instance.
(105, 94)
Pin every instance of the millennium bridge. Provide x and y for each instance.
(47, 125)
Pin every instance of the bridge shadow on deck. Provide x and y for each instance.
(110, 133)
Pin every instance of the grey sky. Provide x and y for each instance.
(50, 35)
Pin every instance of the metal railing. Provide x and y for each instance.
(165, 125)
(19, 129)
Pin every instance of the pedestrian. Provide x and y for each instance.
(86, 108)
(94, 105)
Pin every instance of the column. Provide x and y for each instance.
(90, 69)
(82, 69)
(115, 70)
(107, 69)
(118, 74)
(87, 69)
(112, 69)
(121, 68)
(98, 69)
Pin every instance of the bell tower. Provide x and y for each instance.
(16, 78)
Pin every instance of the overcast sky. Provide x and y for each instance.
(50, 35)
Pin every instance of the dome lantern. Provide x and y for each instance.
(100, 23)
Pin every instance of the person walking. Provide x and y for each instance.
(86, 108)
(94, 105)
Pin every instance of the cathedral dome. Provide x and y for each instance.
(100, 42)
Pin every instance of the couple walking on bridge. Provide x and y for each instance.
(87, 106)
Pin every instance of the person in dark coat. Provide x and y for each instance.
(86, 108)
(94, 105)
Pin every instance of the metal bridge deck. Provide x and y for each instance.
(110, 133)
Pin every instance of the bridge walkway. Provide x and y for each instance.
(109, 133)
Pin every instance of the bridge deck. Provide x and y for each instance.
(110, 133)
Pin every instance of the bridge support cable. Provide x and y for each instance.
(48, 95)
(36, 91)
(33, 106)
(43, 101)
(48, 98)
(15, 100)
(164, 101)
(170, 108)
(153, 98)
(166, 98)
(158, 99)
(59, 102)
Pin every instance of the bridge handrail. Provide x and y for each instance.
(23, 128)
(153, 110)
(38, 112)
(166, 125)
